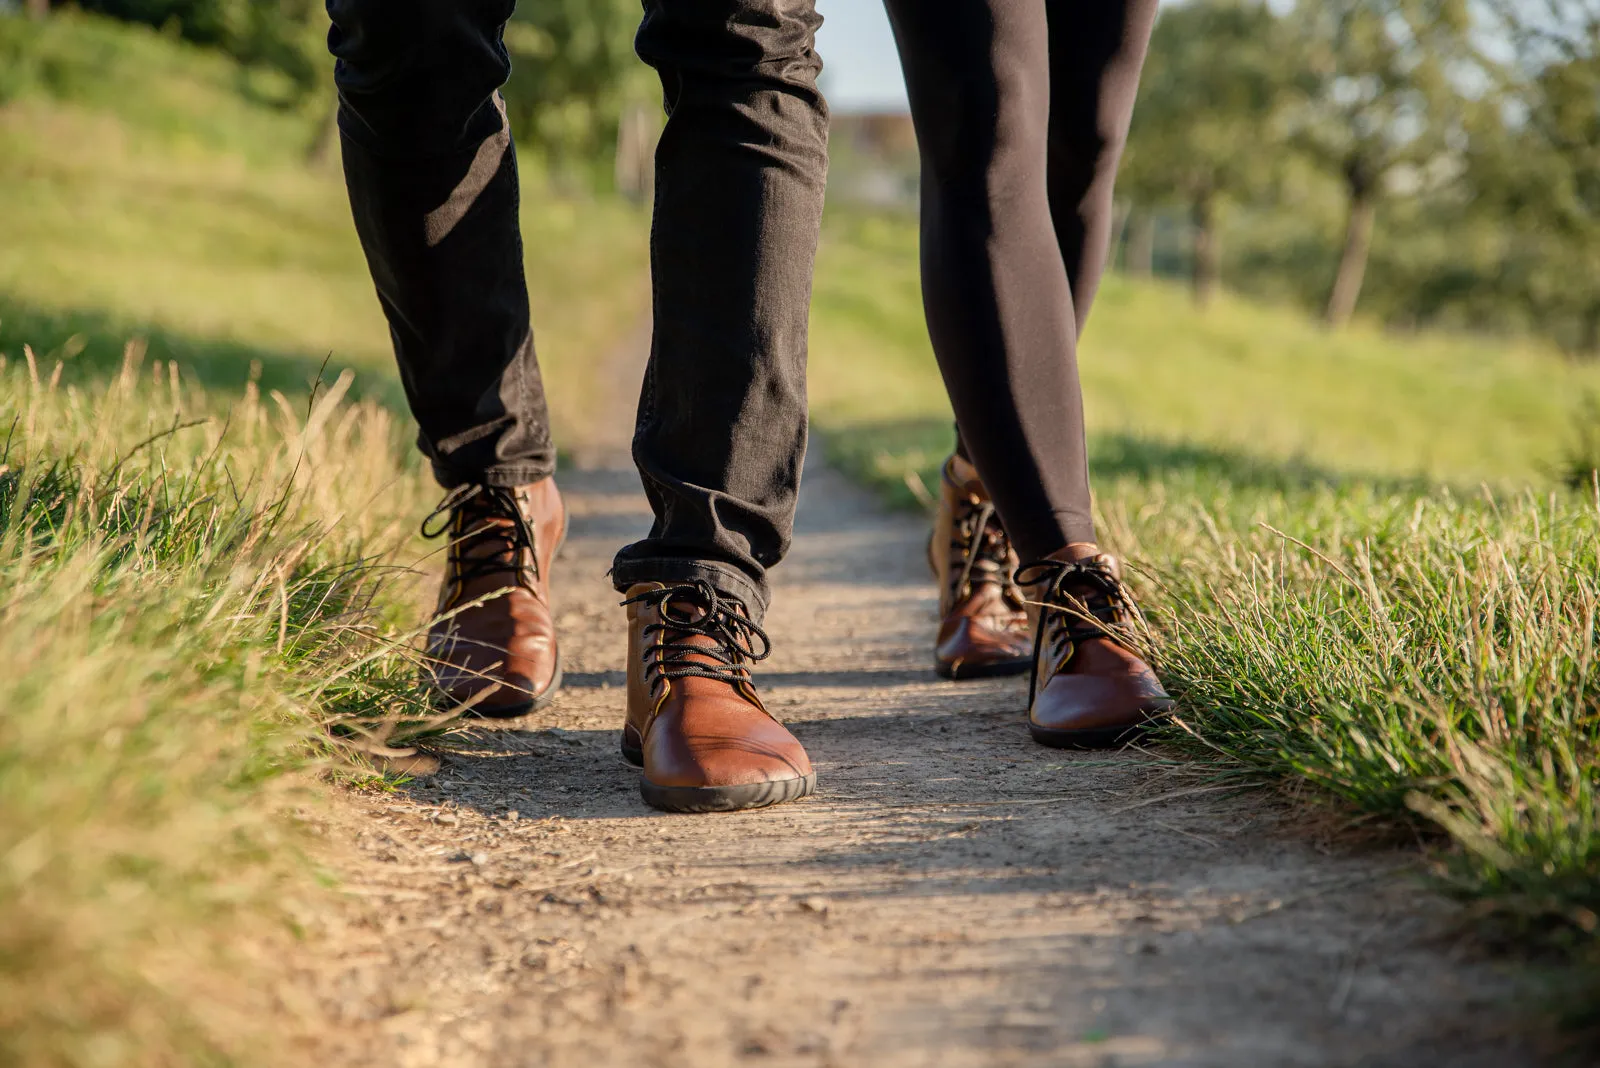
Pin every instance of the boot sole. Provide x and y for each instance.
(717, 798)
(725, 798)
(1098, 737)
(992, 670)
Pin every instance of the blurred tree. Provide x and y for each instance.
(38, 8)
(573, 76)
(1540, 167)
(1139, 257)
(1213, 89)
(1384, 108)
(280, 34)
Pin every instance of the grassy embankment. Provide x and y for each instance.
(181, 598)
(196, 573)
(1363, 569)
(155, 190)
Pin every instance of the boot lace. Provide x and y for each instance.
(697, 610)
(980, 541)
(493, 502)
(1098, 604)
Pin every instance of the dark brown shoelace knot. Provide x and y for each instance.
(1080, 600)
(489, 520)
(696, 610)
(980, 541)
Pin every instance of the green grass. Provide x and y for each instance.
(1405, 654)
(195, 579)
(1366, 577)
(190, 590)
(197, 558)
(194, 102)
(1169, 389)
(151, 189)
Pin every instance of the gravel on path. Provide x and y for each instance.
(954, 895)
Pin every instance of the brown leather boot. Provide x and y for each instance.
(1090, 690)
(695, 723)
(493, 646)
(983, 624)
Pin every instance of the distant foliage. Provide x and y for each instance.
(1202, 123)
(1421, 162)
(574, 74)
(1540, 167)
(282, 34)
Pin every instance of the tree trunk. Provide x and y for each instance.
(1353, 262)
(1207, 256)
(638, 129)
(322, 146)
(1589, 333)
(1140, 258)
(38, 8)
(1120, 210)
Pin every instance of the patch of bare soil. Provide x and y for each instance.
(954, 895)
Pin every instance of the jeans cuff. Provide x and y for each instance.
(723, 578)
(509, 476)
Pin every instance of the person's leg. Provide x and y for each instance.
(1001, 315)
(740, 171)
(995, 289)
(1096, 53)
(433, 187)
(722, 417)
(1090, 686)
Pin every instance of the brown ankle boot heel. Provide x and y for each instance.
(1090, 690)
(695, 723)
(983, 623)
(492, 649)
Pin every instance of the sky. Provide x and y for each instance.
(860, 69)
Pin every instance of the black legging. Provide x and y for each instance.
(1021, 109)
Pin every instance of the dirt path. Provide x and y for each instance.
(955, 895)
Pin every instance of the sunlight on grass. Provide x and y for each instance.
(1328, 609)
(1262, 383)
(201, 528)
(190, 593)
(178, 210)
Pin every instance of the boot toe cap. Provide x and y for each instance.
(755, 754)
(1093, 703)
(971, 648)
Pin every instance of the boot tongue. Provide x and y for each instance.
(680, 610)
(487, 552)
(488, 537)
(1099, 603)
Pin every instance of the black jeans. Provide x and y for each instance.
(1021, 109)
(739, 183)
